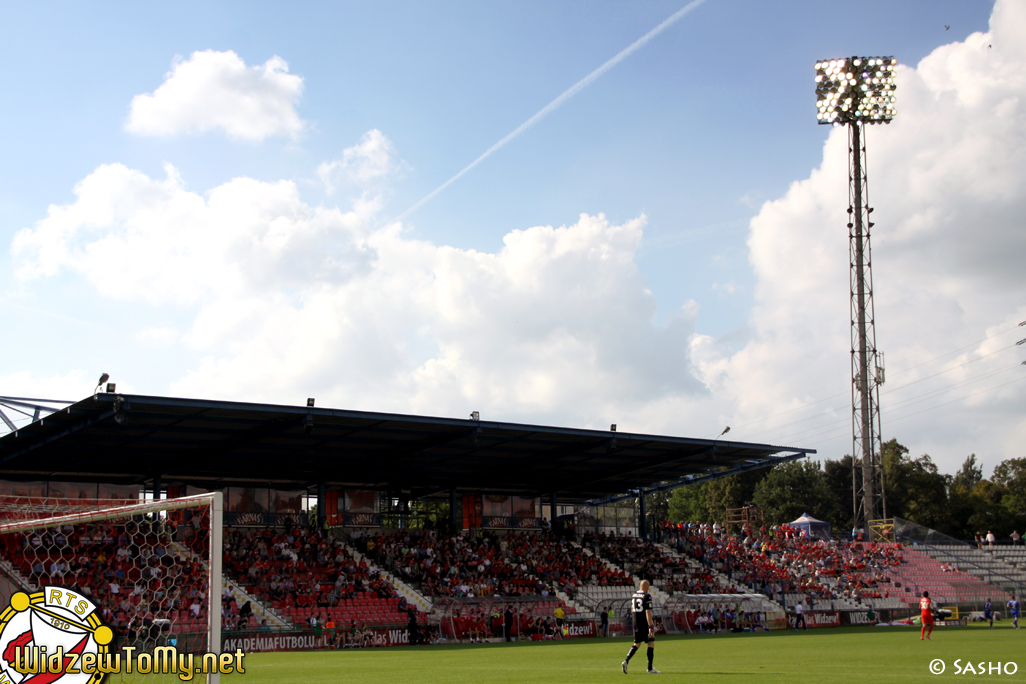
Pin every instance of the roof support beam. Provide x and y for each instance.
(742, 468)
(649, 463)
(82, 424)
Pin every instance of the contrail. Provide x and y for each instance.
(559, 101)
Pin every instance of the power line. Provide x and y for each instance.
(890, 419)
(936, 358)
(944, 390)
(948, 370)
(971, 344)
(910, 400)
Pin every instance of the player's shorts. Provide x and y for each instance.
(559, 622)
(641, 634)
(1015, 615)
(927, 618)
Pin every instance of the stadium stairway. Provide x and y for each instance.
(693, 564)
(260, 609)
(12, 581)
(412, 595)
(658, 595)
(613, 567)
(597, 594)
(769, 605)
(574, 606)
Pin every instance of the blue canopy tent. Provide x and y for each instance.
(813, 528)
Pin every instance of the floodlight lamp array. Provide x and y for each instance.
(856, 89)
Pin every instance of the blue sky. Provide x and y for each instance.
(695, 131)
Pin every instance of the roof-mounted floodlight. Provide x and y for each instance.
(103, 378)
(856, 90)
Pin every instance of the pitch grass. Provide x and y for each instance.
(846, 654)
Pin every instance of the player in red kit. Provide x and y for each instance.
(926, 613)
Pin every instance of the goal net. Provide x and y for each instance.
(150, 573)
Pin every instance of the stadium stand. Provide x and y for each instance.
(295, 576)
(1014, 558)
(778, 562)
(305, 576)
(921, 572)
(518, 563)
(461, 584)
(989, 563)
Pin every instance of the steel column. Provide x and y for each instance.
(865, 394)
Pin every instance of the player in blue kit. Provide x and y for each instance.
(988, 613)
(1013, 610)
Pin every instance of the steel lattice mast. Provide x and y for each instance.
(853, 92)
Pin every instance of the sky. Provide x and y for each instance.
(238, 201)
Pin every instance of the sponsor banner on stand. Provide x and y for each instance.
(580, 628)
(306, 640)
(361, 519)
(511, 522)
(392, 636)
(856, 617)
(830, 618)
(284, 519)
(272, 641)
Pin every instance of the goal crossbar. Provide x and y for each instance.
(108, 513)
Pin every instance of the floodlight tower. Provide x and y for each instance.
(856, 91)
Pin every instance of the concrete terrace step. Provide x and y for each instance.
(411, 595)
(260, 609)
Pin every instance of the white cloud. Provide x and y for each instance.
(159, 335)
(216, 90)
(729, 287)
(948, 182)
(290, 301)
(368, 163)
(295, 301)
(68, 386)
(138, 238)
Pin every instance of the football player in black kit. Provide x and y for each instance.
(644, 625)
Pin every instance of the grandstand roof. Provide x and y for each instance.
(128, 438)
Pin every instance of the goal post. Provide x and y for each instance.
(146, 567)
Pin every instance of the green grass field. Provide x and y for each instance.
(866, 654)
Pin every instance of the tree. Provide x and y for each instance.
(657, 505)
(688, 504)
(1012, 475)
(963, 499)
(793, 488)
(733, 491)
(916, 491)
(969, 475)
(837, 475)
(987, 513)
